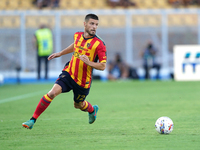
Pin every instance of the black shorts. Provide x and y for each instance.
(68, 84)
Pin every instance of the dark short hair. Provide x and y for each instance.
(91, 16)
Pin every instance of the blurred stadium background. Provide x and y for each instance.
(125, 30)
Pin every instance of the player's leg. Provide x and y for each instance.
(46, 100)
(61, 85)
(80, 94)
(42, 105)
(84, 106)
(87, 107)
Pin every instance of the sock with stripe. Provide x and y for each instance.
(87, 107)
(42, 105)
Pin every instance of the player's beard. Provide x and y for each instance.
(90, 32)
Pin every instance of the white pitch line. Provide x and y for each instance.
(15, 98)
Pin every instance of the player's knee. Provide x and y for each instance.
(52, 94)
(56, 90)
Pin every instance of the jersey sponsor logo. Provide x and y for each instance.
(81, 48)
(77, 55)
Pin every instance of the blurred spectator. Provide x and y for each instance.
(185, 3)
(54, 3)
(188, 2)
(197, 2)
(113, 3)
(149, 56)
(175, 3)
(127, 3)
(42, 3)
(123, 3)
(46, 3)
(118, 69)
(43, 41)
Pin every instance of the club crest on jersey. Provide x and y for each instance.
(88, 45)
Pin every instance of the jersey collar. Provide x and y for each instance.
(89, 37)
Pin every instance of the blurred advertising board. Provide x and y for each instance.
(187, 62)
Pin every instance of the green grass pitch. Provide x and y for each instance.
(125, 121)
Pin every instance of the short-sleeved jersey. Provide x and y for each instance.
(94, 48)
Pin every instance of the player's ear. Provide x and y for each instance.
(84, 23)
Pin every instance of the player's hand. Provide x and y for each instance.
(85, 59)
(54, 55)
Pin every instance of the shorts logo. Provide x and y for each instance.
(62, 76)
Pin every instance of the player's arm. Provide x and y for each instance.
(65, 51)
(96, 65)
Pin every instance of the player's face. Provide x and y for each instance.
(91, 26)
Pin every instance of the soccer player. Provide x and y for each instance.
(89, 52)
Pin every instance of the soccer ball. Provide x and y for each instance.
(164, 125)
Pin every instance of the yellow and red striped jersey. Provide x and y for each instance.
(94, 48)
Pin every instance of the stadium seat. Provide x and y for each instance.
(148, 4)
(146, 20)
(118, 21)
(137, 20)
(151, 4)
(65, 22)
(36, 21)
(140, 4)
(80, 4)
(153, 20)
(163, 4)
(31, 22)
(105, 20)
(87, 4)
(9, 21)
(191, 20)
(74, 4)
(13, 4)
(112, 21)
(16, 4)
(173, 20)
(3, 4)
(26, 4)
(64, 4)
(183, 20)
(47, 20)
(72, 21)
(100, 4)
